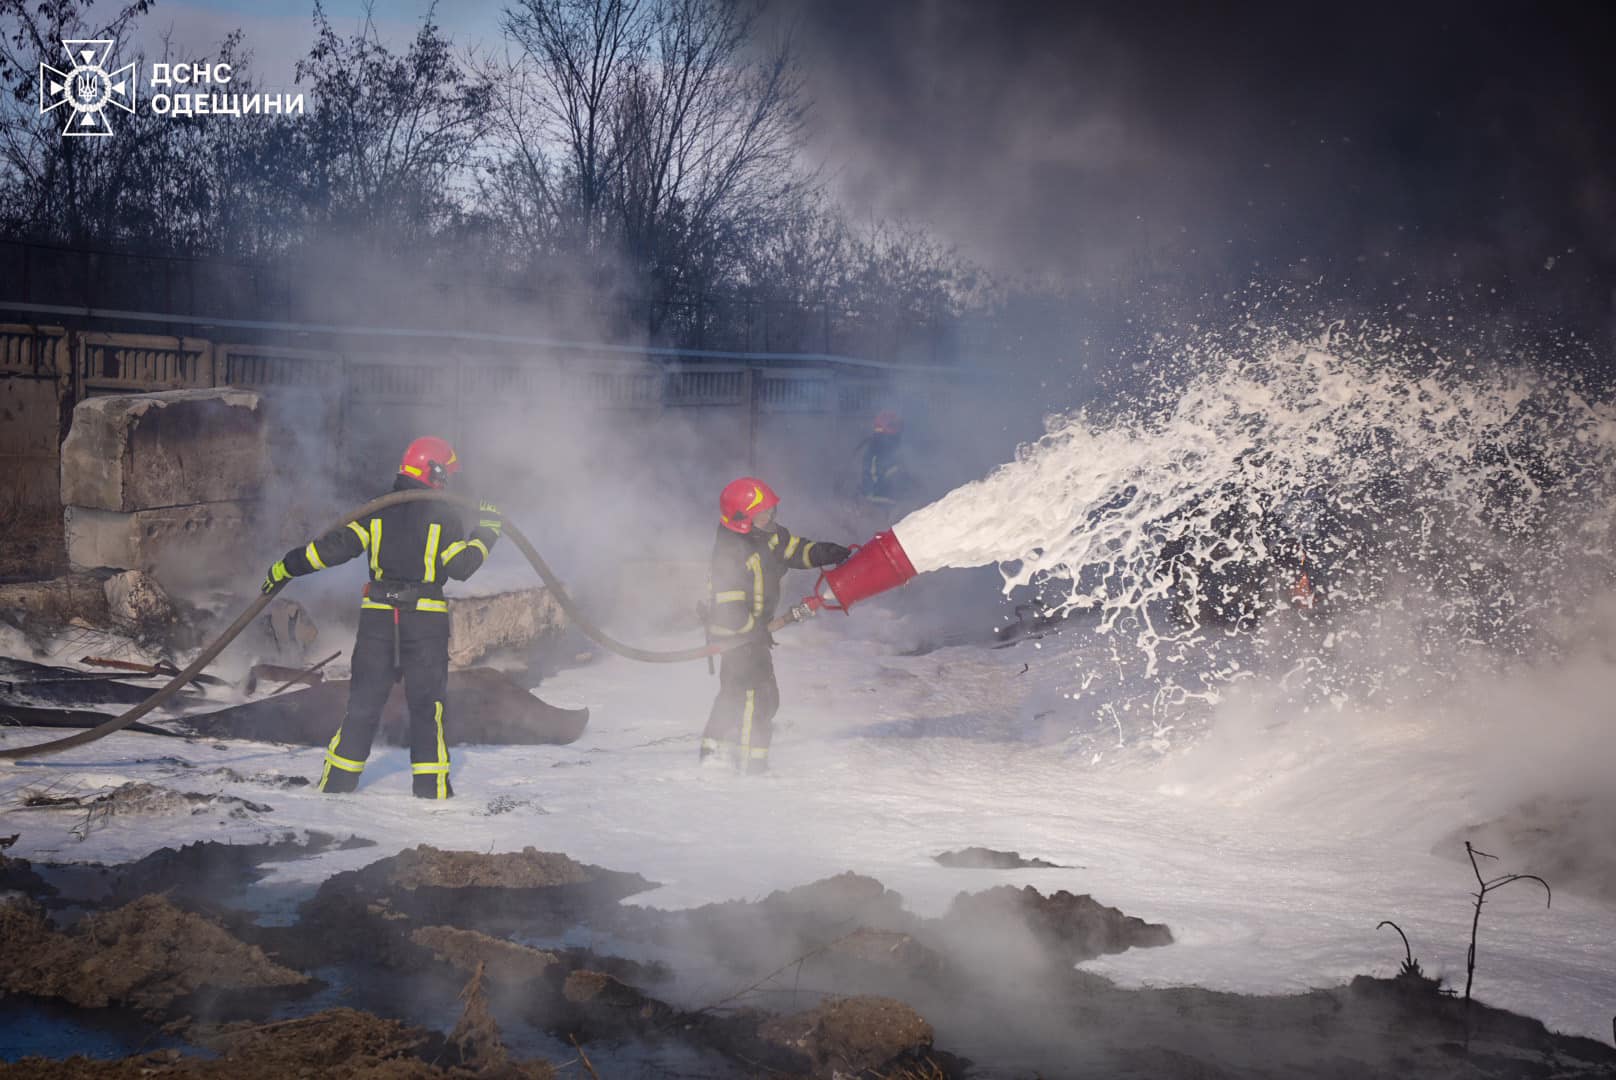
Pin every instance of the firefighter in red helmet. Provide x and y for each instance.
(403, 620)
(750, 557)
(881, 472)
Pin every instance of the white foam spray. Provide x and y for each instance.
(1341, 511)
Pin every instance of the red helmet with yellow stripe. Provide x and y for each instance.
(742, 500)
(431, 460)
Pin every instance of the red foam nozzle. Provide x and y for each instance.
(876, 567)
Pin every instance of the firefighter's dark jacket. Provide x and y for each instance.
(879, 476)
(415, 545)
(746, 573)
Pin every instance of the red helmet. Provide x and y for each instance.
(741, 500)
(888, 422)
(431, 460)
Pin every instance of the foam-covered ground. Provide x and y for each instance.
(1272, 846)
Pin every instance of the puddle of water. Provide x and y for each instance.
(41, 1029)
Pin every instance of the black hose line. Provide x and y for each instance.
(166, 692)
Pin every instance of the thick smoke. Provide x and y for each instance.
(1117, 146)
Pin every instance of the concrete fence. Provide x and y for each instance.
(358, 395)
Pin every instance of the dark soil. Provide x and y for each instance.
(148, 956)
(1066, 928)
(498, 893)
(338, 1043)
(842, 1036)
(204, 876)
(981, 858)
(834, 978)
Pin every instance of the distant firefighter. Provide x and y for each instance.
(882, 477)
(404, 619)
(750, 558)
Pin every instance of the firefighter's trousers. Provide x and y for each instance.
(742, 719)
(422, 655)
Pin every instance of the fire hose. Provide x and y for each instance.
(839, 599)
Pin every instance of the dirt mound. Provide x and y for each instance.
(471, 952)
(340, 1043)
(1069, 927)
(373, 909)
(888, 950)
(320, 1041)
(148, 955)
(744, 935)
(199, 876)
(981, 858)
(843, 1036)
(614, 1005)
(476, 1037)
(525, 869)
(19, 875)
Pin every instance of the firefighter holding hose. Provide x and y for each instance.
(750, 557)
(414, 548)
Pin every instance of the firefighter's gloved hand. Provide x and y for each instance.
(488, 520)
(838, 553)
(277, 576)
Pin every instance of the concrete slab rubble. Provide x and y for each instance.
(517, 619)
(199, 539)
(132, 452)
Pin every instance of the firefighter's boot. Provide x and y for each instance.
(339, 782)
(426, 786)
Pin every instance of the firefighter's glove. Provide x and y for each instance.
(278, 575)
(489, 520)
(838, 553)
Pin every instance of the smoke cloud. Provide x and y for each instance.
(1112, 142)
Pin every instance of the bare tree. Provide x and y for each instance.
(68, 189)
(662, 138)
(390, 135)
(573, 53)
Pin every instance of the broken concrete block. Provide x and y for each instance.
(133, 596)
(177, 542)
(61, 599)
(292, 630)
(134, 452)
(518, 619)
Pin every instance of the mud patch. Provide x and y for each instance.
(464, 888)
(1066, 928)
(747, 936)
(18, 875)
(148, 955)
(504, 804)
(981, 858)
(276, 780)
(94, 810)
(203, 875)
(478, 954)
(843, 1036)
(839, 1037)
(370, 913)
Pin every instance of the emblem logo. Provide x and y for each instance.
(87, 87)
